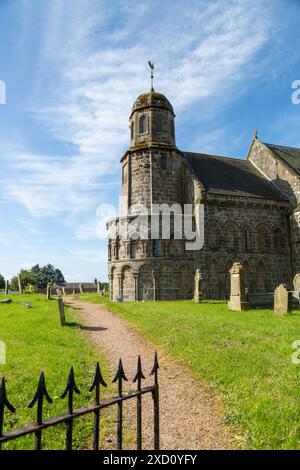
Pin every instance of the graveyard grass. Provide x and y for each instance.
(244, 356)
(35, 341)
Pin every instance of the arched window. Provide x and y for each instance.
(278, 240)
(262, 240)
(158, 124)
(143, 124)
(117, 248)
(247, 239)
(213, 236)
(230, 237)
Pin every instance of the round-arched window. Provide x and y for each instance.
(143, 124)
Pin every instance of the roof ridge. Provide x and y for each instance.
(281, 146)
(216, 156)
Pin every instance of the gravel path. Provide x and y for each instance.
(190, 415)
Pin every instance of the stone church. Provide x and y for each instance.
(251, 213)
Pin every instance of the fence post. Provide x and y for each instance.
(119, 377)
(138, 378)
(39, 399)
(61, 309)
(155, 396)
(98, 380)
(71, 387)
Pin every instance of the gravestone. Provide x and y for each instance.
(296, 282)
(99, 287)
(197, 287)
(238, 300)
(81, 288)
(61, 309)
(49, 291)
(282, 300)
(20, 285)
(6, 287)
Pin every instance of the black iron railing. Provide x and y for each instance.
(68, 418)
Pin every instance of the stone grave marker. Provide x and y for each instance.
(197, 287)
(238, 300)
(282, 300)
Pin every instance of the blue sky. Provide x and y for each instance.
(72, 70)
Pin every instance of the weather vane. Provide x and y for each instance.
(152, 73)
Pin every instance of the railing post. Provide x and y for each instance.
(4, 403)
(98, 380)
(71, 387)
(119, 377)
(39, 399)
(155, 396)
(138, 378)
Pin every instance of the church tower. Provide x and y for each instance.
(152, 174)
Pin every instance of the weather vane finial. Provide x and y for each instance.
(152, 73)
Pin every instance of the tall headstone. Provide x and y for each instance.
(296, 282)
(20, 285)
(238, 300)
(6, 287)
(198, 287)
(99, 287)
(49, 285)
(282, 300)
(61, 309)
(81, 288)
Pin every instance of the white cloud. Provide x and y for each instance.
(99, 69)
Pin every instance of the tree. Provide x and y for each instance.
(38, 277)
(26, 279)
(59, 278)
(2, 282)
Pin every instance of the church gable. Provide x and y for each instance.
(281, 165)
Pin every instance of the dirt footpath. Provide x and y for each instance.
(189, 414)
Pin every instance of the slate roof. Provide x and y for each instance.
(289, 155)
(232, 176)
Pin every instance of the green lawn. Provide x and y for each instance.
(35, 341)
(244, 356)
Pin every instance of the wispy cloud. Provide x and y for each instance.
(99, 66)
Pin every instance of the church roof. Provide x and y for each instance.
(152, 99)
(232, 176)
(289, 155)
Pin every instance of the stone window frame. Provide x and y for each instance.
(216, 225)
(262, 246)
(143, 129)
